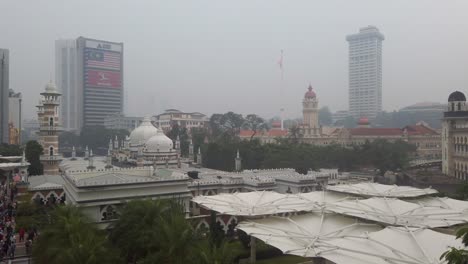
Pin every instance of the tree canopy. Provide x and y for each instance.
(33, 153)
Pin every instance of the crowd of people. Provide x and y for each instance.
(10, 234)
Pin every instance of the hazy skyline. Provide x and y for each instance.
(219, 56)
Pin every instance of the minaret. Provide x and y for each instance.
(310, 114)
(177, 144)
(49, 122)
(110, 145)
(199, 157)
(116, 143)
(190, 150)
(109, 160)
(86, 153)
(91, 161)
(73, 153)
(238, 162)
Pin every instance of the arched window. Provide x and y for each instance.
(51, 121)
(453, 106)
(51, 151)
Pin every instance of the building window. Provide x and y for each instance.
(51, 151)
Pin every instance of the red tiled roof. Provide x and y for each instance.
(269, 133)
(420, 130)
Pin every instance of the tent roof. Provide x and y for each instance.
(442, 202)
(253, 203)
(397, 212)
(370, 189)
(304, 235)
(398, 245)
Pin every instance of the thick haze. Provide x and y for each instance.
(215, 56)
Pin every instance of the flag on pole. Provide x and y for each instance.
(280, 62)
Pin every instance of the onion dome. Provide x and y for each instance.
(456, 97)
(363, 121)
(310, 93)
(158, 143)
(50, 89)
(142, 133)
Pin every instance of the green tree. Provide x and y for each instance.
(455, 255)
(33, 153)
(96, 137)
(69, 139)
(325, 116)
(154, 231)
(254, 123)
(225, 126)
(10, 150)
(71, 238)
(295, 134)
(182, 133)
(29, 214)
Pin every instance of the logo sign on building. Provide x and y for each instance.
(103, 78)
(103, 45)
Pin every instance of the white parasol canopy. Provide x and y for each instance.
(305, 235)
(397, 245)
(397, 212)
(370, 189)
(442, 202)
(254, 203)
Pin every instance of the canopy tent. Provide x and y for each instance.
(370, 189)
(321, 198)
(397, 212)
(442, 202)
(305, 235)
(254, 203)
(397, 245)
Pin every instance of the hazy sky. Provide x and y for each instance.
(216, 56)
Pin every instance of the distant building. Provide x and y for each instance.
(100, 79)
(120, 121)
(4, 95)
(166, 120)
(339, 116)
(365, 72)
(428, 112)
(310, 124)
(15, 117)
(66, 78)
(455, 137)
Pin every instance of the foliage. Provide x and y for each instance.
(69, 139)
(10, 150)
(29, 214)
(70, 238)
(162, 234)
(220, 254)
(379, 154)
(404, 118)
(455, 255)
(254, 123)
(325, 116)
(33, 153)
(182, 134)
(225, 126)
(295, 134)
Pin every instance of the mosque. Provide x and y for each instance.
(99, 187)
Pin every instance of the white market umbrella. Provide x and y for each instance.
(393, 211)
(371, 189)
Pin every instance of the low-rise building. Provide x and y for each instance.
(120, 121)
(170, 117)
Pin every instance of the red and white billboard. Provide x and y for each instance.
(103, 78)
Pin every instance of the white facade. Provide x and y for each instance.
(166, 120)
(365, 72)
(455, 137)
(66, 79)
(120, 121)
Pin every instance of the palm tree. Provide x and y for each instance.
(71, 238)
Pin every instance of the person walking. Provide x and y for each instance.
(21, 234)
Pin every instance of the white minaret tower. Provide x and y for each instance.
(116, 143)
(109, 160)
(86, 153)
(238, 162)
(177, 144)
(310, 114)
(110, 145)
(190, 150)
(49, 122)
(199, 157)
(73, 153)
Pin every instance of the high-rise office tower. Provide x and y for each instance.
(15, 117)
(4, 95)
(365, 72)
(66, 79)
(100, 79)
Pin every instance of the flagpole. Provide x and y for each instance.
(281, 90)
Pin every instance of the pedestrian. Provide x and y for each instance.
(21, 234)
(28, 246)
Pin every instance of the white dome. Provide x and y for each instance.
(142, 133)
(158, 143)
